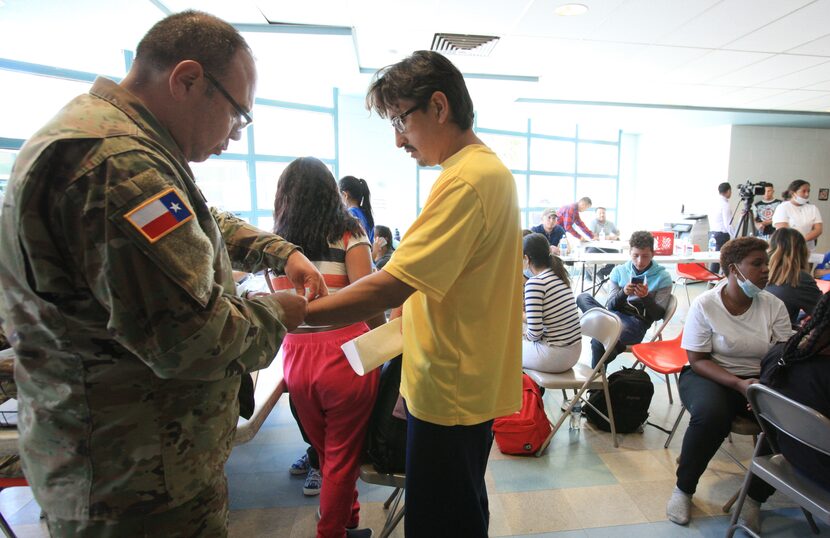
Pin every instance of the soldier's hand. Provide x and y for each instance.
(305, 276)
(293, 309)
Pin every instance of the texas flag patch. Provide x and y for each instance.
(160, 215)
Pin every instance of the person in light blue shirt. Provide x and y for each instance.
(639, 293)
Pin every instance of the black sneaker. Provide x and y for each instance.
(359, 533)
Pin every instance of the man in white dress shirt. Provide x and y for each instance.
(720, 225)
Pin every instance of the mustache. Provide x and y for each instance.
(407, 147)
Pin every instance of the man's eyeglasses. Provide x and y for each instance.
(397, 121)
(243, 119)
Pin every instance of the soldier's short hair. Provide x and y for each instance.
(190, 35)
(416, 78)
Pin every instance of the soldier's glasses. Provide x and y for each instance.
(244, 119)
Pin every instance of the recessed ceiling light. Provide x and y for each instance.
(571, 10)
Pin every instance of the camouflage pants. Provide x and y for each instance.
(205, 516)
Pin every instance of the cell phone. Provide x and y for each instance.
(381, 242)
(638, 279)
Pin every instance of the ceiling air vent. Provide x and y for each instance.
(465, 45)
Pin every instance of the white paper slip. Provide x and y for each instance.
(371, 349)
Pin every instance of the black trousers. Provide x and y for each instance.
(720, 239)
(445, 491)
(712, 407)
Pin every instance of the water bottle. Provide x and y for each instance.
(576, 416)
(713, 245)
(602, 235)
(397, 235)
(563, 247)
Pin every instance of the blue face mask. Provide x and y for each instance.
(750, 289)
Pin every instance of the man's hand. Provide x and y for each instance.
(304, 275)
(293, 309)
(555, 250)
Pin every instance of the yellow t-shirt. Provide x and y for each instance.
(462, 329)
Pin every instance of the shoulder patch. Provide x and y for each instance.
(160, 215)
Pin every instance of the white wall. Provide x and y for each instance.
(660, 172)
(367, 150)
(781, 154)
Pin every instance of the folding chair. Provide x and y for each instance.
(777, 413)
(691, 273)
(663, 356)
(9, 483)
(398, 481)
(657, 336)
(605, 327)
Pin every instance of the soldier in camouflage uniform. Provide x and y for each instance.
(118, 296)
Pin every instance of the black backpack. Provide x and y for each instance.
(386, 436)
(631, 391)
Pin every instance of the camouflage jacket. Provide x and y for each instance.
(130, 351)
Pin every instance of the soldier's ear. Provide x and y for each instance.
(186, 77)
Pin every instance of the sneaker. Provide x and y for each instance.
(679, 507)
(751, 515)
(359, 533)
(313, 482)
(300, 466)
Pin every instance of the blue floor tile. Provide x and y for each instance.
(554, 470)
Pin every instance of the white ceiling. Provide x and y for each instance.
(737, 56)
(748, 54)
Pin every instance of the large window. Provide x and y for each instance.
(242, 180)
(553, 165)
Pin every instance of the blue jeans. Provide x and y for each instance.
(445, 491)
(633, 330)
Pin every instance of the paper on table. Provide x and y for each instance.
(371, 349)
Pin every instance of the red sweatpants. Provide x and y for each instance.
(334, 405)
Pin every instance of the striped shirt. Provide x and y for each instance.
(331, 266)
(552, 315)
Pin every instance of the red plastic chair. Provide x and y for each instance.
(664, 357)
(690, 273)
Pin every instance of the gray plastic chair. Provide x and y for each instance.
(777, 413)
(396, 500)
(605, 327)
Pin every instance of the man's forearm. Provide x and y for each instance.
(360, 300)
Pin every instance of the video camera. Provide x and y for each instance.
(750, 190)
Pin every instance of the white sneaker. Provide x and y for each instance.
(751, 515)
(679, 507)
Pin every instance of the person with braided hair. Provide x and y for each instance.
(800, 369)
(358, 200)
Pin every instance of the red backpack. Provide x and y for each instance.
(524, 431)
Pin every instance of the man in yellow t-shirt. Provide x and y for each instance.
(459, 270)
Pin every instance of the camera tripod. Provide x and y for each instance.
(746, 226)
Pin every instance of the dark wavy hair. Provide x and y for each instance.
(416, 78)
(810, 341)
(537, 249)
(386, 233)
(735, 250)
(189, 35)
(308, 210)
(359, 190)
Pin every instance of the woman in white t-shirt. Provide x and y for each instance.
(552, 339)
(728, 331)
(798, 213)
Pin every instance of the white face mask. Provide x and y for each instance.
(799, 200)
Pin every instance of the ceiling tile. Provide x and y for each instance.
(783, 99)
(801, 79)
(729, 20)
(645, 21)
(819, 47)
(815, 104)
(714, 64)
(794, 30)
(540, 19)
(771, 68)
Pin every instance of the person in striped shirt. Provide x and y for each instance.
(552, 339)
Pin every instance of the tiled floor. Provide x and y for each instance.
(581, 487)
